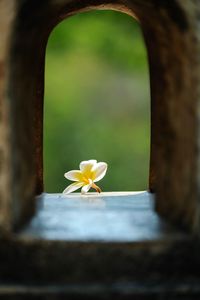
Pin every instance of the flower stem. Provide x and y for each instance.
(94, 186)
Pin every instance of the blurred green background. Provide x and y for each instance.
(97, 100)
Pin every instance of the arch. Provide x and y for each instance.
(170, 33)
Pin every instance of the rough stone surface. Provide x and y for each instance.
(171, 31)
(40, 261)
(119, 291)
(175, 81)
(163, 264)
(6, 18)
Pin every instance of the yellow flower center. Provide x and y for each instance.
(86, 180)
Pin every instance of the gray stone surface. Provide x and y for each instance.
(104, 246)
(171, 33)
(121, 217)
(109, 245)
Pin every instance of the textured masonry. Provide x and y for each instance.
(172, 34)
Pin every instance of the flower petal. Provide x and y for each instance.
(86, 166)
(99, 171)
(74, 175)
(73, 187)
(86, 188)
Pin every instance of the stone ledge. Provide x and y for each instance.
(111, 216)
(119, 290)
(36, 256)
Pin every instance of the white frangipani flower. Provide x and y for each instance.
(90, 172)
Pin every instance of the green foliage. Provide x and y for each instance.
(97, 100)
(113, 37)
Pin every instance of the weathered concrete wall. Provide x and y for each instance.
(173, 48)
(171, 31)
(7, 13)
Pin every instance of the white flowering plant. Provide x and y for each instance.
(90, 172)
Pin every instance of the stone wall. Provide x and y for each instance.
(171, 31)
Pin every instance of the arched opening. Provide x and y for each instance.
(171, 39)
(97, 100)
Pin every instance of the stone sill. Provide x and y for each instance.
(105, 217)
(99, 239)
